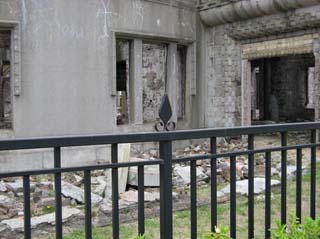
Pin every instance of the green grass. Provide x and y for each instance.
(181, 220)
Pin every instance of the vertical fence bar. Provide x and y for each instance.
(313, 175)
(193, 186)
(87, 196)
(251, 188)
(115, 192)
(233, 197)
(299, 184)
(166, 190)
(27, 210)
(284, 136)
(213, 150)
(141, 216)
(57, 186)
(268, 196)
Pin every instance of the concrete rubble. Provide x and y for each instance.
(184, 173)
(98, 185)
(3, 188)
(17, 224)
(7, 207)
(17, 186)
(76, 193)
(151, 173)
(242, 186)
(132, 196)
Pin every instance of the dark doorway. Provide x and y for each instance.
(282, 89)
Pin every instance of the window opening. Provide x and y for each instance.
(5, 75)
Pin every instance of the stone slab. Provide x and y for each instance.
(18, 223)
(76, 193)
(242, 186)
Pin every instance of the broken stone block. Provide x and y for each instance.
(105, 206)
(187, 150)
(200, 162)
(197, 149)
(2, 227)
(76, 193)
(123, 156)
(224, 168)
(6, 201)
(178, 181)
(292, 171)
(46, 185)
(184, 173)
(37, 195)
(17, 186)
(245, 171)
(154, 153)
(47, 202)
(18, 223)
(99, 185)
(151, 175)
(132, 196)
(242, 186)
(260, 160)
(241, 169)
(3, 188)
(6, 207)
(274, 172)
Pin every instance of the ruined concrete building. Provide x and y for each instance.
(101, 66)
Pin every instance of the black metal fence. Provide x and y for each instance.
(165, 162)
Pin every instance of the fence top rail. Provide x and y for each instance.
(69, 141)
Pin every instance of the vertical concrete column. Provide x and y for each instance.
(135, 82)
(316, 52)
(245, 92)
(16, 56)
(268, 92)
(171, 84)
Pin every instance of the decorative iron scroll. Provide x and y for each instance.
(165, 114)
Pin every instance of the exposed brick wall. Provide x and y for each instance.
(292, 21)
(224, 80)
(228, 44)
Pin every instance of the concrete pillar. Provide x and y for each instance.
(245, 92)
(267, 85)
(254, 105)
(171, 84)
(316, 52)
(311, 88)
(135, 82)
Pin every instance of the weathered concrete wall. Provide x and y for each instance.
(68, 71)
(67, 50)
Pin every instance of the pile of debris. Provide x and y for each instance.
(43, 197)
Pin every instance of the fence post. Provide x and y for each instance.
(58, 197)
(166, 190)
